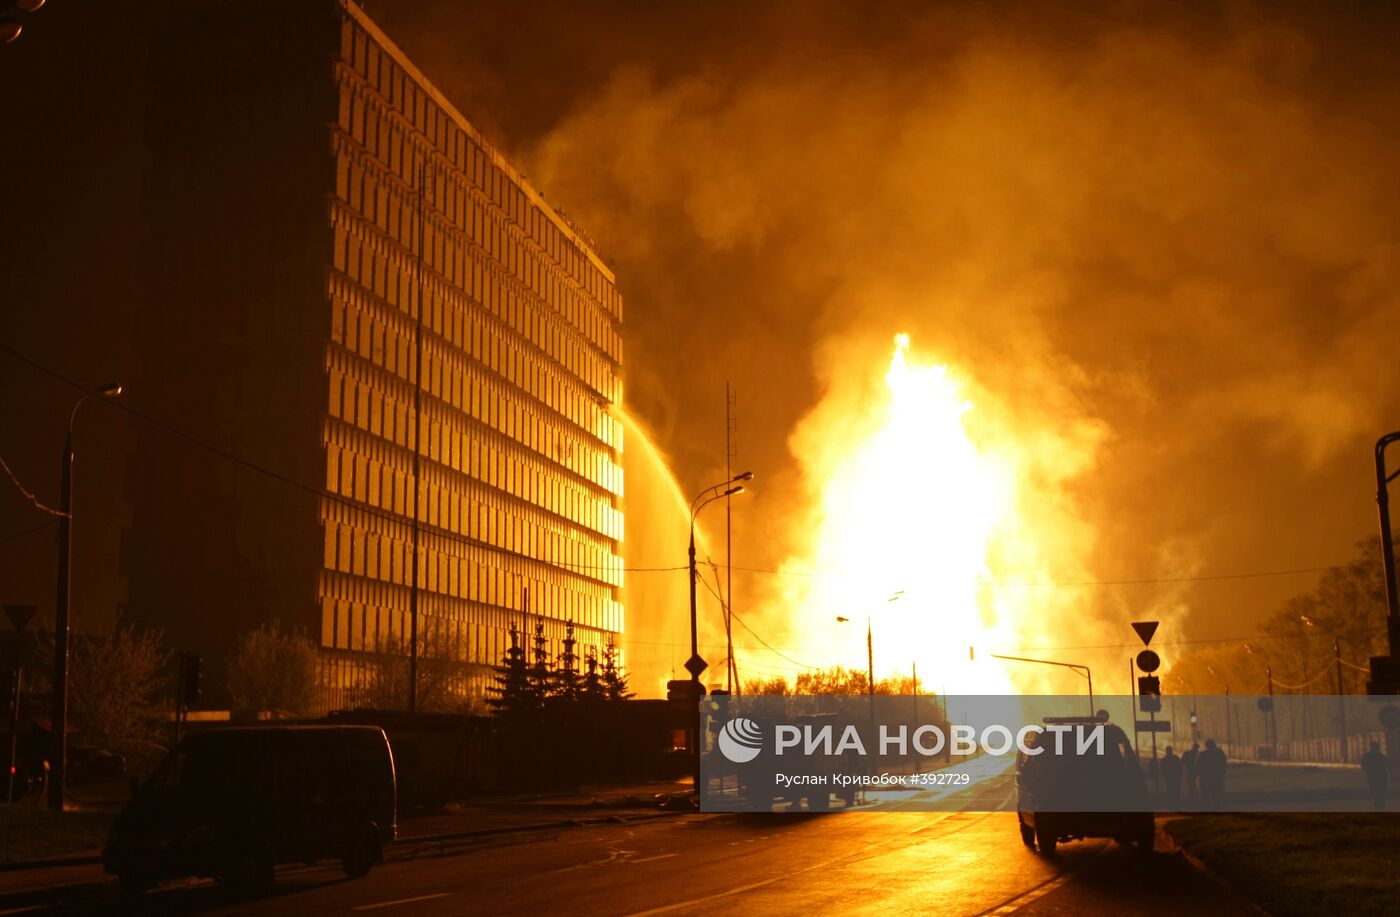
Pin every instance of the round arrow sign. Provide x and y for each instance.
(1148, 661)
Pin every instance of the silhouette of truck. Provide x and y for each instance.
(233, 803)
(1069, 791)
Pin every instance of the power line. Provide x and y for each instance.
(310, 489)
(1143, 581)
(583, 568)
(751, 631)
(28, 494)
(1168, 580)
(1326, 670)
(18, 535)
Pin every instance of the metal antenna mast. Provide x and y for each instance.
(730, 454)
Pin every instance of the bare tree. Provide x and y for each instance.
(767, 686)
(118, 686)
(444, 685)
(273, 669)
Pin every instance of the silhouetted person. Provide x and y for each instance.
(1376, 767)
(1210, 771)
(1189, 762)
(1171, 773)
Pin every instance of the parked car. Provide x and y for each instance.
(233, 803)
(88, 764)
(1070, 792)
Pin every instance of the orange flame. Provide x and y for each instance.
(909, 508)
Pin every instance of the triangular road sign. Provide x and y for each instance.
(19, 615)
(1145, 630)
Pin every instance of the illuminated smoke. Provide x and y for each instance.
(1155, 248)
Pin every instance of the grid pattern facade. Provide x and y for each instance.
(519, 484)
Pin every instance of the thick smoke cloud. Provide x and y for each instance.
(1161, 252)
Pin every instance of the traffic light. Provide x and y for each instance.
(684, 691)
(1149, 693)
(190, 674)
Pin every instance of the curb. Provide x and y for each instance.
(1204, 869)
(51, 863)
(55, 894)
(59, 894)
(405, 842)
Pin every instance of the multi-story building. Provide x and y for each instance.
(393, 340)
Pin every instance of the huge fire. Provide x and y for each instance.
(909, 508)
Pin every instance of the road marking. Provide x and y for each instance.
(1025, 899)
(1015, 904)
(375, 907)
(661, 856)
(681, 905)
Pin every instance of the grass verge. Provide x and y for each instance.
(31, 832)
(1297, 864)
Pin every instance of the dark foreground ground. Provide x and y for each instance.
(872, 863)
(625, 855)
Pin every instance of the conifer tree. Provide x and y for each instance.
(614, 681)
(567, 685)
(592, 689)
(541, 676)
(513, 691)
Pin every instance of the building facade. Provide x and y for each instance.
(443, 254)
(366, 338)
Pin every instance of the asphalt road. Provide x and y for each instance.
(861, 862)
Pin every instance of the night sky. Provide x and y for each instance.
(1159, 246)
(1159, 249)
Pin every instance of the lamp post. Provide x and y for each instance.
(1270, 717)
(870, 649)
(695, 664)
(1341, 700)
(59, 714)
(1392, 600)
(1229, 736)
(1081, 669)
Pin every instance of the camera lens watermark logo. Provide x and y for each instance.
(740, 740)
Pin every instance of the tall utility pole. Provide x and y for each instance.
(869, 659)
(696, 663)
(914, 673)
(417, 445)
(59, 716)
(59, 712)
(1272, 724)
(1132, 692)
(1392, 601)
(1341, 700)
(731, 667)
(1229, 733)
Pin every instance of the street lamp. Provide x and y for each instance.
(1270, 717)
(59, 715)
(1081, 669)
(870, 647)
(695, 664)
(1229, 734)
(1341, 700)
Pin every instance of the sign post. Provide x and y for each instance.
(20, 616)
(1149, 692)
